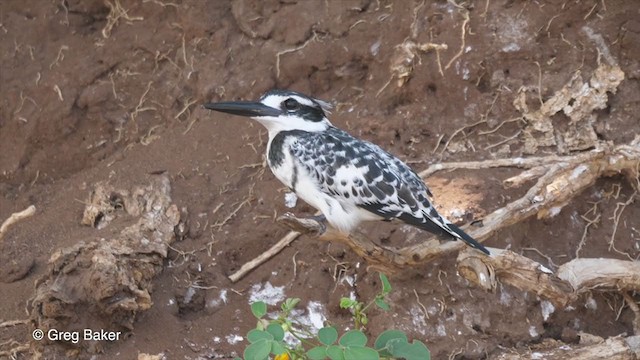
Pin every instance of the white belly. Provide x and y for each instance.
(340, 213)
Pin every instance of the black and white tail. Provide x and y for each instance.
(442, 227)
(468, 239)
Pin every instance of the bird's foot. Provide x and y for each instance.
(315, 225)
(319, 218)
(322, 221)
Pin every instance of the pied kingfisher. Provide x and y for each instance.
(349, 180)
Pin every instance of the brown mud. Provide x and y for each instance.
(111, 92)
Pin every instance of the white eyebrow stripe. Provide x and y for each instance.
(302, 101)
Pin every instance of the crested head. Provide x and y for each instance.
(282, 110)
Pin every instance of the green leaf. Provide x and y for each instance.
(386, 285)
(259, 309)
(317, 353)
(383, 339)
(382, 304)
(346, 303)
(360, 353)
(290, 303)
(353, 338)
(257, 335)
(277, 348)
(277, 331)
(415, 351)
(259, 350)
(328, 335)
(335, 352)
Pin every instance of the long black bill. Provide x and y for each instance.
(243, 108)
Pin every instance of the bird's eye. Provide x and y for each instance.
(291, 104)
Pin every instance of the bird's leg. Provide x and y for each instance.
(322, 220)
(308, 225)
(319, 218)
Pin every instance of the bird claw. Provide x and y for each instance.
(311, 225)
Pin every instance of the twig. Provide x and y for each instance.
(636, 310)
(295, 265)
(486, 10)
(287, 51)
(549, 23)
(64, 6)
(424, 309)
(414, 23)
(14, 323)
(458, 131)
(506, 140)
(163, 4)
(35, 178)
(22, 100)
(616, 219)
(150, 136)
(116, 12)
(202, 287)
(384, 86)
(454, 353)
(550, 262)
(139, 108)
(437, 143)
(189, 126)
(12, 353)
(500, 125)
(465, 13)
(590, 222)
(15, 217)
(185, 108)
(590, 11)
(232, 214)
(56, 88)
(523, 163)
(439, 62)
(539, 83)
(60, 56)
(275, 249)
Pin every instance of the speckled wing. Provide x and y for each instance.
(363, 174)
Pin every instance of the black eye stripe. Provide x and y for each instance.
(310, 113)
(291, 104)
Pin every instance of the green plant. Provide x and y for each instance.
(359, 309)
(268, 336)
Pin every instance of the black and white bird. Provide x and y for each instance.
(349, 180)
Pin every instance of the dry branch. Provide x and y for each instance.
(275, 249)
(515, 270)
(562, 287)
(523, 163)
(618, 348)
(603, 274)
(13, 323)
(15, 217)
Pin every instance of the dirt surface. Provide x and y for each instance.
(101, 91)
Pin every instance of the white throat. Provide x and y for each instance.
(275, 125)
